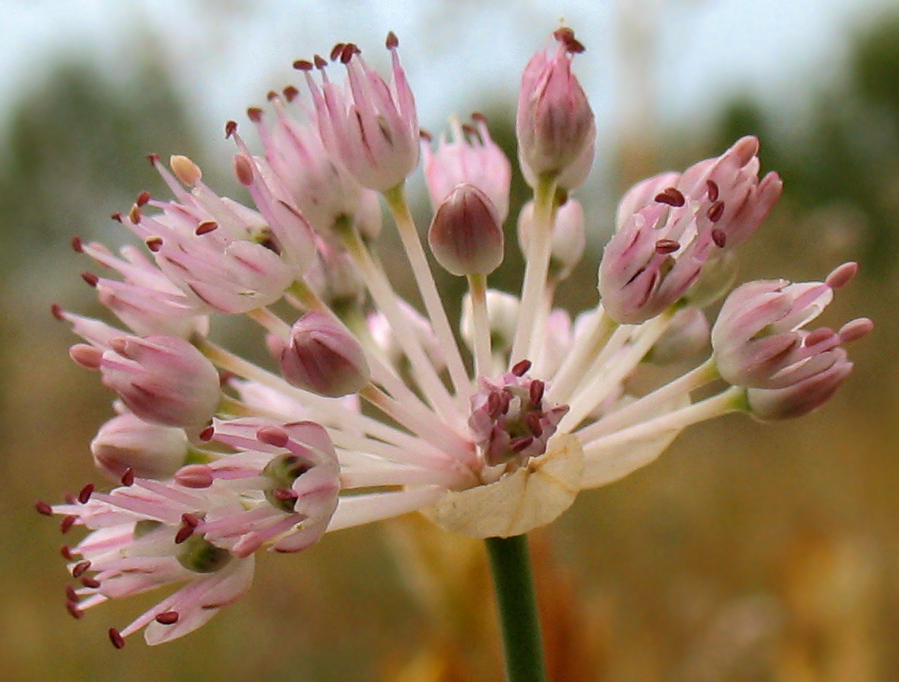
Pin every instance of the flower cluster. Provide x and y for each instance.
(369, 408)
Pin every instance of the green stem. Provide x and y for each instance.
(517, 604)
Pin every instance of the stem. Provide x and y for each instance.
(477, 286)
(517, 604)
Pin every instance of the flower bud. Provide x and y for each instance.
(466, 235)
(148, 450)
(569, 239)
(555, 125)
(162, 379)
(322, 356)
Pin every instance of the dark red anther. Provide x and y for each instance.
(56, 311)
(469, 129)
(478, 117)
(254, 114)
(67, 522)
(713, 190)
(72, 595)
(85, 493)
(392, 41)
(271, 95)
(190, 520)
(66, 552)
(536, 392)
(206, 227)
(303, 65)
(153, 159)
(520, 443)
(534, 425)
(565, 36)
(90, 278)
(116, 638)
(230, 129)
(348, 52)
(70, 498)
(291, 93)
(319, 62)
(671, 196)
(92, 583)
(284, 494)
(77, 244)
(127, 478)
(43, 508)
(167, 617)
(154, 243)
(183, 533)
(336, 51)
(73, 609)
(666, 246)
(143, 198)
(716, 211)
(425, 135)
(116, 216)
(719, 238)
(207, 434)
(521, 368)
(80, 568)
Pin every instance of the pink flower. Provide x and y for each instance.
(372, 127)
(555, 125)
(473, 158)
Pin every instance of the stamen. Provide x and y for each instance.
(671, 196)
(73, 609)
(183, 533)
(92, 583)
(536, 391)
(66, 552)
(392, 41)
(841, 275)
(206, 227)
(43, 508)
(336, 51)
(143, 198)
(254, 114)
(80, 568)
(521, 367)
(719, 237)
(154, 243)
(77, 244)
(167, 618)
(320, 63)
(716, 211)
(713, 190)
(230, 129)
(290, 92)
(127, 479)
(72, 595)
(272, 435)
(90, 278)
(666, 246)
(67, 522)
(85, 494)
(302, 65)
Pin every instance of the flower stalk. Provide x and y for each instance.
(516, 601)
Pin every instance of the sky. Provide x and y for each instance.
(227, 53)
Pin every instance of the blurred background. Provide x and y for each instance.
(747, 553)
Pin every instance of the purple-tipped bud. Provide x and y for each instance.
(148, 450)
(569, 237)
(162, 379)
(322, 356)
(466, 235)
(555, 124)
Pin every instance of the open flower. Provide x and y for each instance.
(369, 408)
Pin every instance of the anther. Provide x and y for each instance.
(116, 216)
(719, 237)
(183, 534)
(67, 522)
(89, 582)
(521, 368)
(167, 618)
(284, 494)
(72, 595)
(716, 211)
(206, 227)
(666, 246)
(43, 508)
(534, 425)
(77, 244)
(272, 435)
(243, 169)
(73, 609)
(85, 493)
(392, 41)
(478, 117)
(143, 198)
(80, 568)
(90, 278)
(254, 114)
(319, 62)
(291, 93)
(841, 275)
(536, 392)
(520, 443)
(348, 52)
(66, 552)
(271, 95)
(336, 51)
(127, 479)
(116, 638)
(302, 65)
(230, 129)
(190, 520)
(713, 190)
(207, 433)
(565, 36)
(153, 159)
(134, 214)
(154, 243)
(425, 135)
(671, 196)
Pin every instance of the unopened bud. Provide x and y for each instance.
(148, 450)
(466, 236)
(322, 356)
